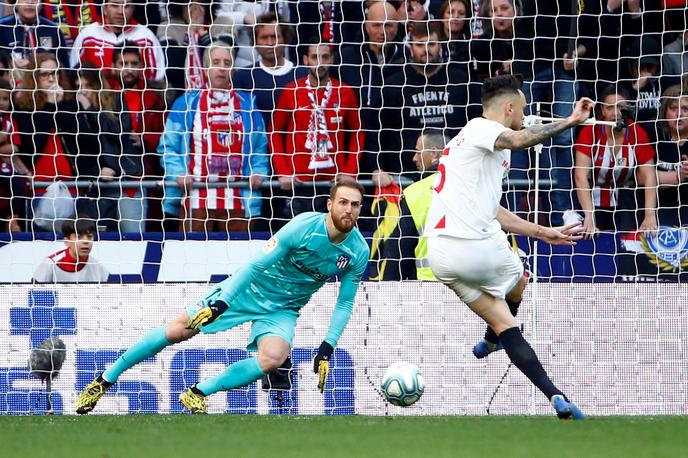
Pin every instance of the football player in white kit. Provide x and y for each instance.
(467, 246)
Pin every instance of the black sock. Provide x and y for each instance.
(490, 335)
(197, 391)
(513, 306)
(522, 355)
(104, 382)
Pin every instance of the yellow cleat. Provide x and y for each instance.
(193, 401)
(91, 395)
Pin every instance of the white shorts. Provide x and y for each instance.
(470, 267)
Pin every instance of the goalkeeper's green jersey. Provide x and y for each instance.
(295, 263)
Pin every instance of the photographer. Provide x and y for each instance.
(607, 161)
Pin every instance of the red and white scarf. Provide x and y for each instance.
(65, 261)
(223, 127)
(195, 76)
(327, 14)
(318, 136)
(218, 137)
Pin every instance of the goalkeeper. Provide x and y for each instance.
(269, 291)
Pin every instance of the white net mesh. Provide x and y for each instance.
(615, 349)
(184, 133)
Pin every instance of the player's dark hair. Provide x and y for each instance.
(346, 184)
(500, 85)
(78, 227)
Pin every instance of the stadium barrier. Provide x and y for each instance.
(199, 257)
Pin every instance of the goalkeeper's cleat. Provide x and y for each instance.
(484, 348)
(194, 400)
(91, 395)
(566, 409)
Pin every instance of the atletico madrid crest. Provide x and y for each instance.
(343, 261)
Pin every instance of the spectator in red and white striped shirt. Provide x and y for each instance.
(612, 157)
(96, 42)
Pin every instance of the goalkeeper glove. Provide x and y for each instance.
(321, 364)
(207, 315)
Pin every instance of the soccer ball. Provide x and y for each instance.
(403, 384)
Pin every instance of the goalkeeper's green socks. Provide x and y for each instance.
(236, 375)
(150, 344)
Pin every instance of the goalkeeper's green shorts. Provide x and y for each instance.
(245, 308)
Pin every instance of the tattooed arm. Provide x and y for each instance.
(534, 135)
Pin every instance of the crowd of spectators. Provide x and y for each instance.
(245, 110)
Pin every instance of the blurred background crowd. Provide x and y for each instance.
(232, 116)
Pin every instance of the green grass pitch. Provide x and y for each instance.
(353, 436)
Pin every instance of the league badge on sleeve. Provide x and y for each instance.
(270, 245)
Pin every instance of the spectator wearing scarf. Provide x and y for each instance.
(214, 134)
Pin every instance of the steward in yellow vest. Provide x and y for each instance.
(405, 251)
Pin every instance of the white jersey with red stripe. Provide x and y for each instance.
(468, 186)
(613, 172)
(614, 164)
(96, 43)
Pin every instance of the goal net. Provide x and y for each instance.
(183, 134)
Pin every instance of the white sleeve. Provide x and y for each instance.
(103, 273)
(75, 55)
(44, 272)
(485, 135)
(159, 57)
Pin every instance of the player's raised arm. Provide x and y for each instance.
(534, 135)
(566, 235)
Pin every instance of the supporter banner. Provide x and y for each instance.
(136, 261)
(664, 256)
(614, 349)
